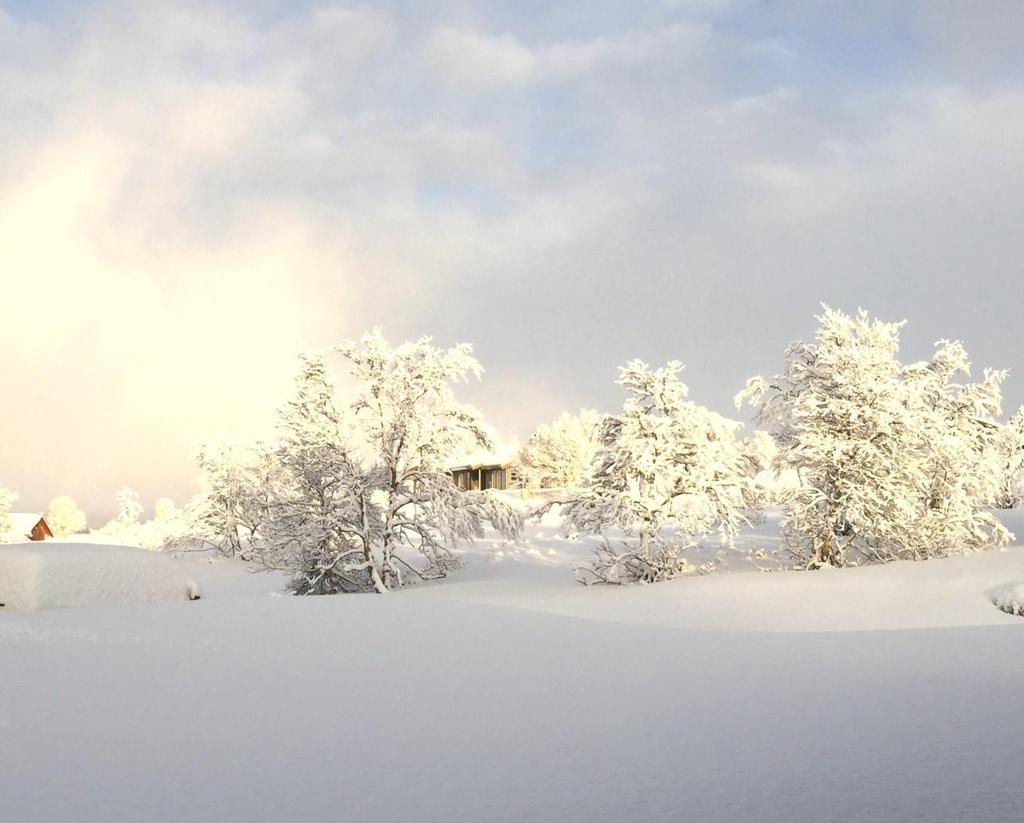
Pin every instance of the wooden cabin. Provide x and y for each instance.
(482, 476)
(486, 469)
(28, 526)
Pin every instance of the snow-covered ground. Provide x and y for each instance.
(509, 692)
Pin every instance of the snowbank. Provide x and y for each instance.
(45, 576)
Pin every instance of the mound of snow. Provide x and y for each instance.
(45, 576)
(1009, 598)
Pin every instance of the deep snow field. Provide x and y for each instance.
(511, 693)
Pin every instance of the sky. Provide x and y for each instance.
(191, 193)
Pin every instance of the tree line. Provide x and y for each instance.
(869, 459)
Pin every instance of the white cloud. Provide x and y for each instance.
(473, 61)
(468, 59)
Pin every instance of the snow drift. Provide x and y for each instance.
(45, 576)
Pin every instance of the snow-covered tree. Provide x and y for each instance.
(236, 486)
(65, 517)
(759, 451)
(558, 455)
(406, 411)
(129, 509)
(669, 473)
(964, 442)
(7, 498)
(365, 499)
(322, 522)
(125, 525)
(1013, 471)
(894, 461)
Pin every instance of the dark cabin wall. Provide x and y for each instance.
(485, 477)
(40, 531)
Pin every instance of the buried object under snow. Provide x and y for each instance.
(57, 575)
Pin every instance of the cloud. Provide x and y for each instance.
(971, 41)
(191, 193)
(474, 60)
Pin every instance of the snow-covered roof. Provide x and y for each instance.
(22, 523)
(502, 456)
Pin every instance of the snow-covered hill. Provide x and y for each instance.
(509, 692)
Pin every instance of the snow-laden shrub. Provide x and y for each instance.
(669, 472)
(894, 462)
(558, 455)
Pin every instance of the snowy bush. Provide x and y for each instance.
(362, 499)
(894, 461)
(558, 455)
(65, 517)
(668, 473)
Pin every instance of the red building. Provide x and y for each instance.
(27, 526)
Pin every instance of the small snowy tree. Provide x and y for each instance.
(7, 498)
(125, 525)
(894, 461)
(558, 455)
(366, 498)
(236, 486)
(669, 473)
(65, 517)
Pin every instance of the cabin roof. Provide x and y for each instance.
(501, 458)
(22, 523)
